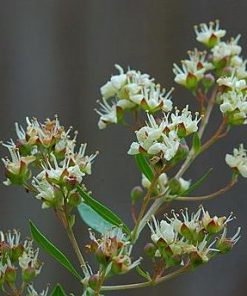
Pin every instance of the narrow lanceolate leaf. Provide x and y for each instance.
(53, 251)
(144, 166)
(196, 143)
(93, 219)
(197, 184)
(102, 210)
(58, 291)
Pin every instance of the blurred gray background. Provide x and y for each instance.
(54, 56)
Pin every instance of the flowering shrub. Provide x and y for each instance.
(47, 162)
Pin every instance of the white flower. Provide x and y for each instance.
(114, 85)
(192, 69)
(238, 67)
(185, 119)
(209, 34)
(79, 158)
(11, 238)
(226, 49)
(233, 101)
(46, 192)
(153, 140)
(153, 98)
(232, 82)
(17, 167)
(162, 230)
(29, 258)
(67, 171)
(238, 160)
(108, 114)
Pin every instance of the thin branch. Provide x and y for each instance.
(147, 283)
(211, 195)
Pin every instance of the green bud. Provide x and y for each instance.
(136, 194)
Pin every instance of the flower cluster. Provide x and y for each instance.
(113, 251)
(131, 90)
(164, 137)
(238, 160)
(196, 238)
(15, 257)
(233, 99)
(49, 151)
(222, 60)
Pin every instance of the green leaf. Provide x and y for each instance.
(198, 183)
(144, 166)
(102, 210)
(53, 251)
(93, 219)
(58, 291)
(143, 273)
(196, 143)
